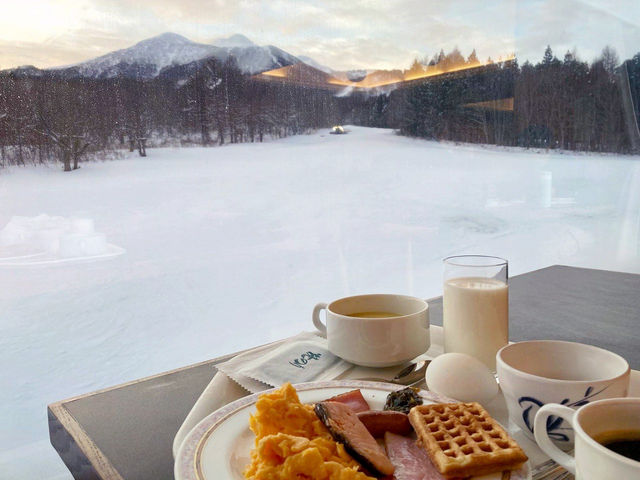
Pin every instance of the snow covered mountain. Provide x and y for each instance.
(255, 59)
(236, 40)
(169, 51)
(144, 59)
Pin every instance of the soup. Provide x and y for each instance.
(374, 314)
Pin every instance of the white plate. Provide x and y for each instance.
(219, 446)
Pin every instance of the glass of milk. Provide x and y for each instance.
(476, 306)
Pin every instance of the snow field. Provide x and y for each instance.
(230, 247)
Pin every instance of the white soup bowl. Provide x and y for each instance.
(375, 342)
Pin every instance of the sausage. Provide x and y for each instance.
(380, 421)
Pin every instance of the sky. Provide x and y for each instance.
(340, 34)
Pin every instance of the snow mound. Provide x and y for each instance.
(45, 240)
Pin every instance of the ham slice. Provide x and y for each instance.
(380, 421)
(353, 399)
(410, 460)
(345, 427)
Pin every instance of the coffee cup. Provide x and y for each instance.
(538, 372)
(607, 438)
(375, 330)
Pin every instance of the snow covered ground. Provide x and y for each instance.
(231, 247)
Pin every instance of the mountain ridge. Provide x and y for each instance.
(147, 58)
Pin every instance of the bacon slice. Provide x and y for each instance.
(345, 427)
(411, 461)
(353, 399)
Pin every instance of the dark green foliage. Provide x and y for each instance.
(403, 400)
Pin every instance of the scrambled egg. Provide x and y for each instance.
(292, 443)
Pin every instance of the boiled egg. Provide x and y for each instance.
(461, 377)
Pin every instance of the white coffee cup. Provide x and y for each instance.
(375, 342)
(537, 372)
(592, 460)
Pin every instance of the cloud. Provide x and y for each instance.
(341, 34)
(353, 53)
(576, 24)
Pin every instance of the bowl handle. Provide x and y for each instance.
(316, 318)
(542, 437)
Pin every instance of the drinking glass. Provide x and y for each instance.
(475, 313)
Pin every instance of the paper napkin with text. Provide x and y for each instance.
(303, 358)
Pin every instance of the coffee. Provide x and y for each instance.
(607, 434)
(623, 442)
(374, 315)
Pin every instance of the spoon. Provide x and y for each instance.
(411, 375)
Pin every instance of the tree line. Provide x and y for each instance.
(568, 104)
(48, 117)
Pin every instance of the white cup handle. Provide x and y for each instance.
(316, 318)
(542, 437)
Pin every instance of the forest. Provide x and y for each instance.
(564, 104)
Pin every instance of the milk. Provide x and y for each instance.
(476, 317)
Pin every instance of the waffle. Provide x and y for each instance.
(463, 440)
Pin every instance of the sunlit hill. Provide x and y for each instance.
(303, 74)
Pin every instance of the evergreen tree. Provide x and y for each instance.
(547, 59)
(472, 60)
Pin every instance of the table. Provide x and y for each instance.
(100, 435)
(597, 307)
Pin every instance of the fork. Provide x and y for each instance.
(410, 376)
(550, 470)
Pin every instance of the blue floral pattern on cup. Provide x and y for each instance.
(553, 423)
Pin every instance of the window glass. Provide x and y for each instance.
(183, 179)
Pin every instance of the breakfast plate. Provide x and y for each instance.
(220, 445)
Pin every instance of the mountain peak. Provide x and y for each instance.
(146, 58)
(235, 40)
(166, 38)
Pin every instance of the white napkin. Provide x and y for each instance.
(235, 378)
(302, 358)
